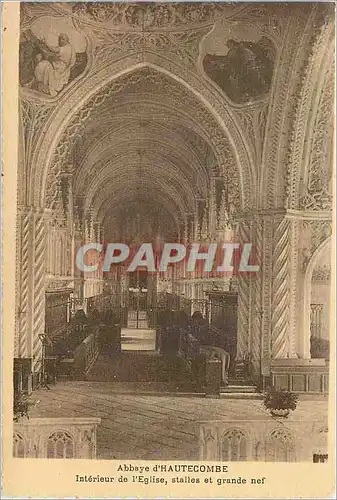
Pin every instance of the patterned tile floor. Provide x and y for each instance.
(145, 426)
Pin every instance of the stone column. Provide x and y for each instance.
(257, 312)
(264, 297)
(39, 286)
(31, 260)
(280, 289)
(272, 292)
(244, 295)
(293, 285)
(24, 256)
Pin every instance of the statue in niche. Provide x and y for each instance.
(245, 72)
(47, 67)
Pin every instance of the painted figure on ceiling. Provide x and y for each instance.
(47, 68)
(245, 72)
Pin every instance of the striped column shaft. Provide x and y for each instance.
(39, 288)
(243, 327)
(257, 310)
(23, 306)
(266, 285)
(17, 284)
(293, 305)
(280, 291)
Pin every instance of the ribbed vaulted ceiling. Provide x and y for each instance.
(142, 146)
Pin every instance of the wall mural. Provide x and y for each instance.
(245, 72)
(52, 54)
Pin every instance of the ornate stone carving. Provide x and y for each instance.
(59, 285)
(32, 10)
(320, 230)
(184, 45)
(291, 60)
(307, 152)
(253, 123)
(208, 436)
(201, 204)
(66, 190)
(205, 227)
(150, 16)
(41, 436)
(318, 194)
(322, 273)
(219, 195)
(33, 116)
(162, 84)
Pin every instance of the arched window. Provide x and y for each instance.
(60, 444)
(281, 446)
(234, 445)
(18, 446)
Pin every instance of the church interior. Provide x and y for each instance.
(173, 123)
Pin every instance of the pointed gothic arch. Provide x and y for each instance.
(223, 133)
(305, 331)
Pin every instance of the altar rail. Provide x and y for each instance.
(268, 440)
(55, 438)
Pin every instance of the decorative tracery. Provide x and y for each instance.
(281, 446)
(18, 445)
(60, 444)
(234, 445)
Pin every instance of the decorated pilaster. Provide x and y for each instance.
(280, 342)
(38, 286)
(244, 296)
(24, 278)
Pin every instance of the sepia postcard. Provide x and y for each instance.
(168, 249)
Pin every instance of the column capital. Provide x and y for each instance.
(24, 210)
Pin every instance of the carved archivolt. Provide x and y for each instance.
(311, 143)
(217, 138)
(33, 115)
(183, 45)
(292, 60)
(319, 231)
(209, 115)
(150, 16)
(318, 195)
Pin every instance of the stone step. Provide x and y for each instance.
(239, 388)
(241, 395)
(238, 381)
